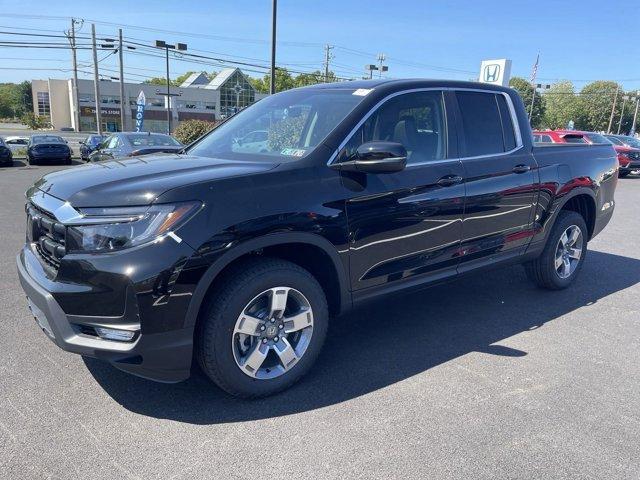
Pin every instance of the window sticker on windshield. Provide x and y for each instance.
(361, 92)
(293, 152)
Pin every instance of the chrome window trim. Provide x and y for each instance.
(512, 111)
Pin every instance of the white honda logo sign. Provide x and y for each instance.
(496, 72)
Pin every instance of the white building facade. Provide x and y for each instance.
(197, 98)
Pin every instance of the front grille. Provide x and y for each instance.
(634, 155)
(47, 234)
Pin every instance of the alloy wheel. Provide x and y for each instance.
(272, 333)
(568, 251)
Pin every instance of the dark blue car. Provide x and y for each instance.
(89, 145)
(48, 149)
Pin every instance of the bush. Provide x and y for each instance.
(191, 130)
(35, 122)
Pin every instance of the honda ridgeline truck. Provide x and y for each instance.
(235, 254)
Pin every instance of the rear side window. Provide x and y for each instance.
(507, 124)
(482, 124)
(574, 139)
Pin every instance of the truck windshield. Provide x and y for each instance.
(285, 126)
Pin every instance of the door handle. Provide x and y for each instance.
(521, 168)
(449, 180)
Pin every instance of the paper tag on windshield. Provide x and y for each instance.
(361, 92)
(293, 152)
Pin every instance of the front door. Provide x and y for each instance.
(501, 179)
(407, 225)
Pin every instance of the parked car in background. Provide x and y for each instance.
(89, 145)
(253, 142)
(237, 259)
(16, 144)
(132, 144)
(628, 157)
(629, 153)
(6, 157)
(48, 149)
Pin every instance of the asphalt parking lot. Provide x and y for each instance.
(487, 377)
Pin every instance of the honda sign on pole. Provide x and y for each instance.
(496, 72)
(140, 103)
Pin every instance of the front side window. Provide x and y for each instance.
(44, 107)
(482, 123)
(287, 126)
(112, 142)
(416, 120)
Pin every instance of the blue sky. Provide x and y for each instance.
(582, 40)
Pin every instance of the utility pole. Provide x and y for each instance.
(382, 68)
(327, 58)
(624, 102)
(124, 103)
(613, 109)
(635, 115)
(272, 83)
(74, 88)
(96, 79)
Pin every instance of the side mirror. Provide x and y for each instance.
(376, 157)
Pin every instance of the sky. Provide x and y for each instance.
(581, 41)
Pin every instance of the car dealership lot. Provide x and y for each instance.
(487, 377)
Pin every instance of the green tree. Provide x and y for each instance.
(286, 81)
(561, 105)
(525, 89)
(15, 99)
(160, 81)
(595, 103)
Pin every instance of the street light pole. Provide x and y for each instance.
(166, 46)
(613, 109)
(272, 83)
(76, 104)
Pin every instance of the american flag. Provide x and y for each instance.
(534, 72)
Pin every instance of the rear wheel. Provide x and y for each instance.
(31, 161)
(563, 255)
(263, 329)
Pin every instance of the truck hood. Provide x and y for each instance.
(139, 181)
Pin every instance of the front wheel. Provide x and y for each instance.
(263, 329)
(563, 255)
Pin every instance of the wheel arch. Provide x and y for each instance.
(275, 244)
(582, 201)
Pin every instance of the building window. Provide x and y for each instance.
(235, 94)
(110, 99)
(209, 106)
(44, 107)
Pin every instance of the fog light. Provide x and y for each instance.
(114, 334)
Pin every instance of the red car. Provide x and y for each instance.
(628, 157)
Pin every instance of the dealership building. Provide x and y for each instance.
(197, 98)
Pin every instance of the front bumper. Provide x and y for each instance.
(630, 167)
(162, 356)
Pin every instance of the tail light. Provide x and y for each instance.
(623, 159)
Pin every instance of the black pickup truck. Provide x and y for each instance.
(237, 257)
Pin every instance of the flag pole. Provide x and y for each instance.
(533, 85)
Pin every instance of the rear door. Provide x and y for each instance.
(501, 178)
(407, 225)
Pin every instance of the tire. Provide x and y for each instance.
(622, 174)
(543, 271)
(31, 161)
(218, 344)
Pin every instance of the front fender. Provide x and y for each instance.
(268, 240)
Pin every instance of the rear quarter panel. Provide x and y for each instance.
(567, 170)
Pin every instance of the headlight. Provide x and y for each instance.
(110, 229)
